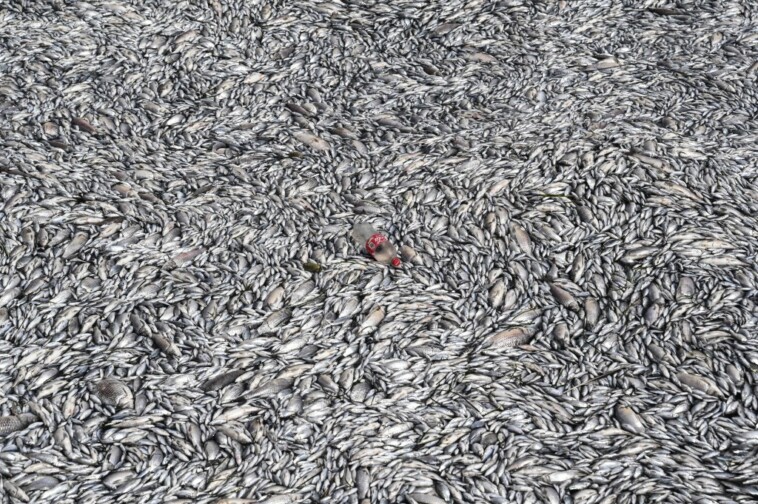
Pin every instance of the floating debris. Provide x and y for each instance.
(312, 267)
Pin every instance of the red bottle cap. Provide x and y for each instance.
(373, 243)
(396, 262)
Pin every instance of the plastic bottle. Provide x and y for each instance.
(376, 244)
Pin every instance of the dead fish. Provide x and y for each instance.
(13, 423)
(445, 28)
(362, 481)
(407, 253)
(234, 413)
(665, 11)
(165, 343)
(423, 498)
(698, 383)
(723, 261)
(713, 244)
(652, 313)
(510, 300)
(58, 144)
(293, 407)
(628, 419)
(274, 298)
(360, 391)
(526, 317)
(186, 36)
(50, 129)
(497, 293)
(607, 63)
(328, 384)
(480, 57)
(516, 336)
(115, 393)
(312, 140)
(565, 298)
(221, 380)
(585, 214)
(274, 320)
(15, 491)
(185, 257)
(27, 236)
(658, 353)
(577, 267)
(286, 52)
(522, 238)
(344, 133)
(390, 122)
(118, 478)
(637, 254)
(236, 501)
(84, 125)
(591, 312)
(302, 292)
(561, 333)
(281, 499)
(272, 387)
(349, 309)
(374, 318)
(77, 242)
(298, 109)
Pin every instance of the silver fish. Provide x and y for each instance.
(13, 423)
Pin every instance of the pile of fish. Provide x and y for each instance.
(573, 187)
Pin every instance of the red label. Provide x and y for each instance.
(373, 243)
